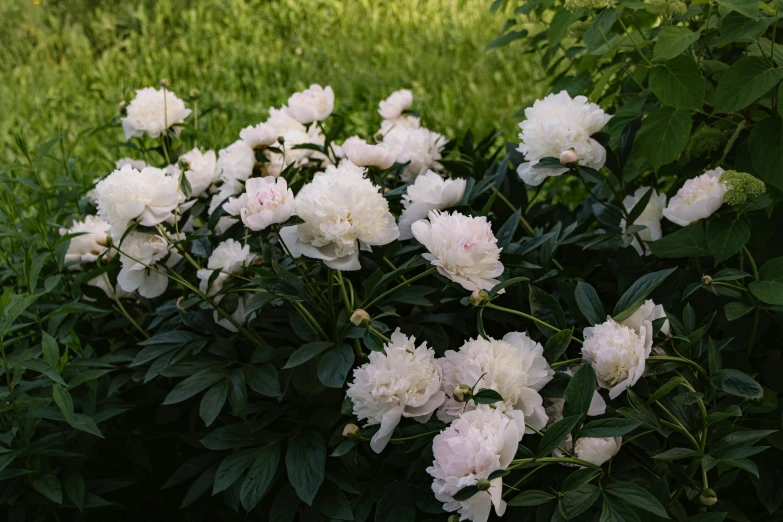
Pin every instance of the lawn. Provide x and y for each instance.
(67, 65)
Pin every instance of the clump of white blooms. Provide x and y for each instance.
(462, 248)
(291, 133)
(91, 243)
(342, 212)
(153, 111)
(618, 351)
(363, 154)
(266, 201)
(261, 135)
(404, 381)
(697, 199)
(419, 147)
(313, 104)
(201, 170)
(514, 367)
(148, 196)
(474, 446)
(144, 258)
(556, 124)
(398, 102)
(235, 163)
(595, 450)
(429, 192)
(650, 218)
(229, 258)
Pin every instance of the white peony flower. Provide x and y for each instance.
(262, 135)
(406, 122)
(140, 251)
(291, 133)
(556, 124)
(462, 248)
(266, 201)
(650, 217)
(618, 351)
(474, 446)
(202, 171)
(397, 103)
(125, 195)
(419, 147)
(697, 199)
(92, 242)
(235, 164)
(514, 367)
(428, 192)
(594, 450)
(229, 257)
(313, 104)
(136, 164)
(404, 382)
(362, 154)
(342, 212)
(153, 111)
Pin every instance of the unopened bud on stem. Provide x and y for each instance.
(351, 431)
(360, 318)
(569, 159)
(194, 94)
(708, 497)
(462, 393)
(183, 164)
(164, 83)
(478, 297)
(483, 484)
(706, 280)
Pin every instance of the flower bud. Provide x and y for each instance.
(478, 297)
(360, 318)
(454, 518)
(706, 280)
(708, 497)
(164, 83)
(568, 158)
(351, 431)
(194, 94)
(183, 164)
(462, 393)
(483, 484)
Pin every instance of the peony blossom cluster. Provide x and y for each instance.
(153, 112)
(698, 198)
(429, 192)
(229, 258)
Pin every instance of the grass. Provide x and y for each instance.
(66, 65)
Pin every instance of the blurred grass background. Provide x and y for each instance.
(66, 64)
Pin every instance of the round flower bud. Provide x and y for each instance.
(483, 484)
(462, 393)
(706, 280)
(452, 518)
(351, 431)
(568, 158)
(360, 318)
(164, 83)
(478, 297)
(708, 497)
(194, 94)
(183, 164)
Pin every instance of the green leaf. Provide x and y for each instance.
(766, 147)
(555, 434)
(599, 32)
(335, 365)
(507, 38)
(637, 497)
(193, 385)
(736, 383)
(749, 8)
(212, 402)
(465, 493)
(735, 27)
(557, 345)
(506, 233)
(614, 427)
(678, 83)
(306, 352)
(390, 507)
(686, 242)
(64, 402)
(740, 438)
(589, 303)
(664, 134)
(666, 388)
(231, 468)
(736, 310)
(747, 80)
(259, 476)
(726, 235)
(305, 462)
(672, 41)
(49, 486)
(579, 500)
(579, 392)
(75, 490)
(769, 287)
(263, 379)
(487, 396)
(333, 503)
(638, 292)
(531, 497)
(41, 366)
(545, 307)
(677, 453)
(51, 352)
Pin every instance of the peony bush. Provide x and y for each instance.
(306, 325)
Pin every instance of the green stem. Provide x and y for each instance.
(752, 261)
(347, 301)
(561, 460)
(400, 439)
(679, 425)
(379, 334)
(123, 311)
(528, 316)
(401, 285)
(307, 316)
(567, 362)
(523, 479)
(680, 360)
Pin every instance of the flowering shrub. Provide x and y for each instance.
(310, 326)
